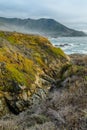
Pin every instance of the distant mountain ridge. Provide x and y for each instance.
(43, 26)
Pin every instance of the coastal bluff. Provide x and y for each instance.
(41, 88)
(29, 64)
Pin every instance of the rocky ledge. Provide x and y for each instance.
(41, 88)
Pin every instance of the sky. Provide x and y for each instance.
(65, 11)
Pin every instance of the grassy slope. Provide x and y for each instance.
(23, 56)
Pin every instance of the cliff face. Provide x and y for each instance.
(29, 64)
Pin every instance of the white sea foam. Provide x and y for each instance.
(71, 45)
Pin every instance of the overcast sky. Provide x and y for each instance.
(65, 11)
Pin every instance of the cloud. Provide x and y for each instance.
(61, 10)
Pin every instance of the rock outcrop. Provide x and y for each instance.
(29, 64)
(64, 107)
(41, 88)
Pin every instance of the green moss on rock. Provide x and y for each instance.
(23, 60)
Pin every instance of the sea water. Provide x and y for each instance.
(71, 45)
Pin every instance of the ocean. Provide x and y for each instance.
(71, 45)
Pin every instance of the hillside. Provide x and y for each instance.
(46, 27)
(28, 63)
(41, 88)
